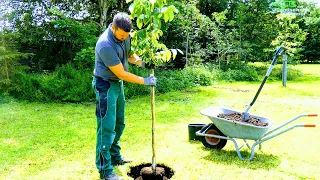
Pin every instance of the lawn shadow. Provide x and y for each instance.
(227, 157)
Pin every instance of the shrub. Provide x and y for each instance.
(66, 84)
(246, 73)
(200, 75)
(276, 73)
(169, 80)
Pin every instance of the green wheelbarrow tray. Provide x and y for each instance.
(236, 129)
(216, 134)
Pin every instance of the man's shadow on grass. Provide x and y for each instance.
(228, 157)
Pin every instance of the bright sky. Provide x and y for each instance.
(317, 2)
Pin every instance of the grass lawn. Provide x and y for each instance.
(57, 141)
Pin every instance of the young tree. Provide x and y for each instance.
(149, 15)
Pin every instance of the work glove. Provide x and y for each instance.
(150, 81)
(147, 65)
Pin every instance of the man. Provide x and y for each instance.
(111, 69)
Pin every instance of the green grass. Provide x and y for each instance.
(57, 141)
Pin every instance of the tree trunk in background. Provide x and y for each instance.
(104, 6)
(6, 69)
(187, 49)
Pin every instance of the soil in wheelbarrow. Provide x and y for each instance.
(237, 117)
(145, 172)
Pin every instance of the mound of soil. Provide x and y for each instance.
(237, 117)
(145, 172)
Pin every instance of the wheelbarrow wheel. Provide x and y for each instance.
(212, 142)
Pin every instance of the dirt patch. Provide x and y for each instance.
(190, 91)
(237, 117)
(145, 172)
(232, 89)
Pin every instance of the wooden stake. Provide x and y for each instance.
(153, 125)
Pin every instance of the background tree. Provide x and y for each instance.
(311, 46)
(9, 63)
(224, 36)
(257, 26)
(290, 35)
(208, 7)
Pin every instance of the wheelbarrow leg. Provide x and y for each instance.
(236, 146)
(254, 146)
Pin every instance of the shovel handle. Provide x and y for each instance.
(279, 51)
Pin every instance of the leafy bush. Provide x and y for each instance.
(66, 84)
(255, 72)
(200, 75)
(170, 80)
(276, 73)
(239, 72)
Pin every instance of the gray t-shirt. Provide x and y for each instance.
(110, 52)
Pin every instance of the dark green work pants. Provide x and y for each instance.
(110, 122)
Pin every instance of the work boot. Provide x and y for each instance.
(121, 162)
(112, 176)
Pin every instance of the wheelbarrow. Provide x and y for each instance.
(216, 134)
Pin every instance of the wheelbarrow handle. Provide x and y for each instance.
(309, 125)
(313, 115)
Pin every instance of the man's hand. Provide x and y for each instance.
(150, 81)
(147, 65)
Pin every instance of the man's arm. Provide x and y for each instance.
(135, 59)
(124, 75)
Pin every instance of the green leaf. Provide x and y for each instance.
(180, 51)
(167, 55)
(131, 7)
(139, 23)
(171, 10)
(174, 53)
(160, 2)
(142, 34)
(166, 17)
(171, 15)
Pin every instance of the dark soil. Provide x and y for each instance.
(145, 172)
(237, 117)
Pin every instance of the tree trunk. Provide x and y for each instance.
(104, 6)
(219, 59)
(6, 69)
(187, 46)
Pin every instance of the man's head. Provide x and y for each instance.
(121, 26)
